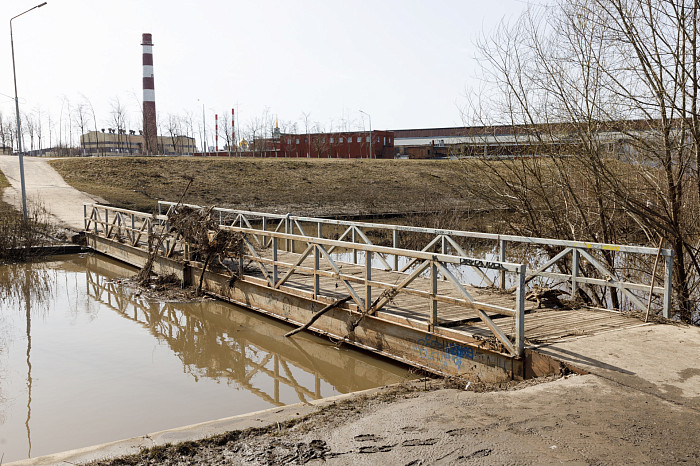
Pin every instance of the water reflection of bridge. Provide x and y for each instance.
(226, 343)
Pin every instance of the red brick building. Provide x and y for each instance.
(344, 145)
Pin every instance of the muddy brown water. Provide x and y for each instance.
(85, 360)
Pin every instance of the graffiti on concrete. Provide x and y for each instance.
(442, 353)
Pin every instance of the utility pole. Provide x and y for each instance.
(19, 127)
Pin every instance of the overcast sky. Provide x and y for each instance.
(405, 62)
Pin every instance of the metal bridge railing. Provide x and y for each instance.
(446, 242)
(263, 251)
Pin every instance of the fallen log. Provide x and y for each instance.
(316, 316)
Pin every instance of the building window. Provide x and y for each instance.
(384, 141)
(332, 141)
(289, 140)
(359, 139)
(367, 139)
(340, 140)
(297, 140)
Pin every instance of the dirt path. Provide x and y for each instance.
(45, 189)
(582, 419)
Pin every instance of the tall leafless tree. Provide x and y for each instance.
(606, 92)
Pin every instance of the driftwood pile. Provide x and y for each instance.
(547, 296)
(199, 229)
(207, 243)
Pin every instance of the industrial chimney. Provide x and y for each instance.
(150, 127)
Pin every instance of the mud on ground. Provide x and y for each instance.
(583, 419)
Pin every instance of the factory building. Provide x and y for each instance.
(510, 140)
(341, 145)
(344, 145)
(120, 143)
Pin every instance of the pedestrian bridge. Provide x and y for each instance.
(446, 301)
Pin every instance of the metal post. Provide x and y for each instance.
(368, 278)
(395, 243)
(433, 293)
(574, 272)
(668, 285)
(520, 312)
(354, 251)
(264, 227)
(19, 127)
(286, 230)
(443, 244)
(502, 258)
(274, 262)
(204, 129)
(291, 231)
(316, 276)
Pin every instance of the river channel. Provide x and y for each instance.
(85, 360)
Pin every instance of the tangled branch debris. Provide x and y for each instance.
(155, 242)
(200, 230)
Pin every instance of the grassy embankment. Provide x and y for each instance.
(319, 187)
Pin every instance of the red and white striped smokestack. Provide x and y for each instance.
(150, 127)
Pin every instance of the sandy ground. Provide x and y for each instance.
(577, 419)
(45, 189)
(580, 419)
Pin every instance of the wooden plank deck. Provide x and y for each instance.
(541, 325)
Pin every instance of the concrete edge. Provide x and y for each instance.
(198, 431)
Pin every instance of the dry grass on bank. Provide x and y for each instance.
(288, 185)
(19, 239)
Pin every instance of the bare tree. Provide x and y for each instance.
(30, 126)
(4, 136)
(305, 119)
(39, 126)
(80, 117)
(91, 113)
(605, 93)
(118, 119)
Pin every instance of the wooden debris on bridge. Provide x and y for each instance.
(200, 230)
(546, 296)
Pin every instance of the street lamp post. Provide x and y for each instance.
(204, 125)
(370, 133)
(19, 130)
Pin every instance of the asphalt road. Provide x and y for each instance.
(46, 190)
